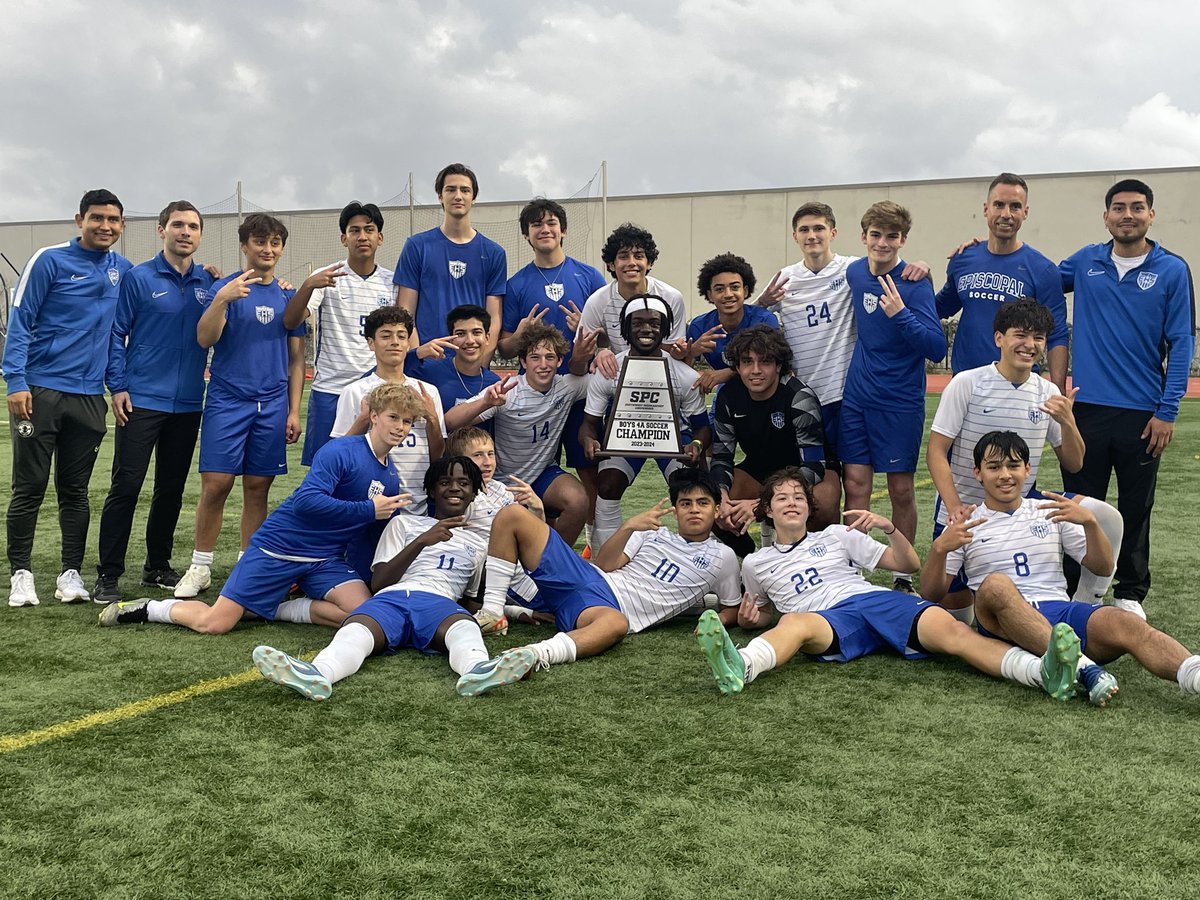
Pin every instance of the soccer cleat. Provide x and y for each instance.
(160, 578)
(107, 589)
(586, 552)
(22, 591)
(1099, 683)
(490, 623)
(903, 585)
(1060, 662)
(302, 677)
(1130, 606)
(728, 667)
(507, 668)
(194, 580)
(125, 612)
(69, 587)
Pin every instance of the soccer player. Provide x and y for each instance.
(1133, 342)
(423, 567)
(882, 419)
(452, 264)
(1011, 550)
(1002, 270)
(776, 420)
(833, 614)
(156, 378)
(725, 281)
(54, 366)
(388, 330)
(461, 376)
(812, 300)
(252, 409)
(342, 296)
(351, 485)
(645, 321)
(629, 254)
(643, 576)
(529, 416)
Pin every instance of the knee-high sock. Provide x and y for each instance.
(499, 574)
(608, 522)
(345, 654)
(464, 645)
(1093, 587)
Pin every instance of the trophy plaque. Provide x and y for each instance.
(644, 418)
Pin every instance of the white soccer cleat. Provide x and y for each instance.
(194, 580)
(302, 677)
(69, 587)
(507, 668)
(491, 624)
(1131, 606)
(23, 592)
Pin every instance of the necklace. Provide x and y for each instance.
(550, 282)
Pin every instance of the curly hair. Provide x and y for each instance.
(629, 237)
(541, 333)
(726, 262)
(769, 343)
(762, 512)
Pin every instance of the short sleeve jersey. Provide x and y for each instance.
(453, 386)
(445, 275)
(341, 312)
(819, 572)
(551, 290)
(449, 568)
(529, 426)
(600, 390)
(603, 310)
(753, 315)
(250, 360)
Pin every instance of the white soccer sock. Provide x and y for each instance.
(513, 612)
(587, 533)
(966, 615)
(160, 611)
(344, 656)
(759, 656)
(1022, 667)
(1188, 675)
(1093, 587)
(241, 553)
(202, 558)
(768, 534)
(298, 611)
(499, 575)
(608, 522)
(556, 650)
(464, 645)
(1084, 662)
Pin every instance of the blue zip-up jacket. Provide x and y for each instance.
(153, 353)
(61, 319)
(1133, 338)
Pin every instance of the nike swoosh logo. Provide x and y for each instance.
(158, 294)
(897, 459)
(988, 412)
(984, 540)
(1095, 271)
(78, 277)
(740, 415)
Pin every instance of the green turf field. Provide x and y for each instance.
(175, 773)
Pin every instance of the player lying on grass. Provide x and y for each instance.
(832, 613)
(642, 576)
(1011, 549)
(423, 567)
(352, 484)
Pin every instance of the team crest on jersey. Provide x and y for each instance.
(870, 302)
(837, 282)
(702, 560)
(25, 428)
(777, 419)
(554, 292)
(1040, 529)
(201, 294)
(1146, 280)
(374, 490)
(458, 268)
(818, 550)
(265, 314)
(114, 276)
(1035, 415)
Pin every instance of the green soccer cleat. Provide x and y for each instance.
(507, 668)
(125, 612)
(302, 677)
(1060, 661)
(723, 658)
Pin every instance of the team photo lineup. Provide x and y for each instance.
(459, 443)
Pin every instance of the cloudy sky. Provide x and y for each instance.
(313, 103)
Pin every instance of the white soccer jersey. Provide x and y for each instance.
(667, 575)
(817, 320)
(529, 426)
(981, 400)
(600, 390)
(411, 457)
(603, 310)
(341, 311)
(449, 568)
(1025, 546)
(819, 572)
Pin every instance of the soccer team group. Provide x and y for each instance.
(435, 511)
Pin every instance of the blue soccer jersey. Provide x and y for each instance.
(445, 275)
(888, 365)
(752, 315)
(552, 290)
(250, 360)
(453, 386)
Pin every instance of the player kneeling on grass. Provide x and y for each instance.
(352, 483)
(832, 613)
(642, 576)
(422, 567)
(1010, 550)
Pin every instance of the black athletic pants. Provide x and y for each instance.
(65, 429)
(1114, 443)
(171, 437)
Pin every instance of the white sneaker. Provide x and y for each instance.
(23, 592)
(194, 580)
(69, 587)
(1130, 606)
